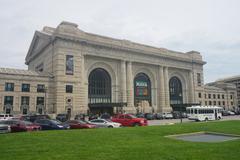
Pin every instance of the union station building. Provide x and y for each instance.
(72, 71)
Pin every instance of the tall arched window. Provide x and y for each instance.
(99, 86)
(175, 89)
(142, 88)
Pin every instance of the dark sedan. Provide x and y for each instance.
(79, 124)
(48, 124)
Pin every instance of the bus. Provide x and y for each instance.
(204, 113)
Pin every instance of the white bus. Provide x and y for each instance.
(204, 113)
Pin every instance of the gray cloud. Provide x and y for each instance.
(211, 27)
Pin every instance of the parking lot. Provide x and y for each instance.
(185, 120)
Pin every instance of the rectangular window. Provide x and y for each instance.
(199, 79)
(209, 95)
(40, 100)
(223, 96)
(214, 103)
(218, 96)
(199, 95)
(69, 65)
(210, 103)
(214, 96)
(223, 103)
(231, 96)
(8, 100)
(205, 95)
(41, 88)
(232, 103)
(206, 103)
(69, 89)
(219, 103)
(24, 100)
(9, 86)
(25, 87)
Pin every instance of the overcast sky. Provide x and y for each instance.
(211, 27)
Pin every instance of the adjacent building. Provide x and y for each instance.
(72, 71)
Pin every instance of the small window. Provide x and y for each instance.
(223, 103)
(199, 79)
(40, 100)
(25, 87)
(24, 100)
(214, 103)
(199, 95)
(9, 86)
(231, 96)
(223, 96)
(219, 103)
(69, 89)
(214, 96)
(209, 96)
(8, 100)
(210, 103)
(41, 88)
(218, 96)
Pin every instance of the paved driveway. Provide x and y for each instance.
(185, 120)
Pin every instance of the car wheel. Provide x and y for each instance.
(110, 126)
(136, 124)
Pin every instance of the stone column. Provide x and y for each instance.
(167, 97)
(130, 96)
(161, 90)
(123, 81)
(191, 92)
(83, 88)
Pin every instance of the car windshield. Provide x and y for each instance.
(108, 120)
(56, 122)
(27, 123)
(132, 116)
(82, 122)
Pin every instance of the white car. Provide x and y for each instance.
(103, 123)
(5, 117)
(168, 115)
(230, 113)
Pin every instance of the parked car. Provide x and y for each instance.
(33, 118)
(92, 116)
(104, 123)
(178, 114)
(5, 116)
(168, 115)
(21, 126)
(80, 117)
(129, 120)
(140, 115)
(230, 113)
(62, 117)
(149, 116)
(105, 116)
(79, 124)
(159, 116)
(225, 113)
(47, 124)
(5, 128)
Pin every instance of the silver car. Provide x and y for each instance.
(5, 128)
(103, 123)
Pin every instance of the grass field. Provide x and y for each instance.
(139, 143)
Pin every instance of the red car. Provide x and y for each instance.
(129, 120)
(78, 124)
(22, 126)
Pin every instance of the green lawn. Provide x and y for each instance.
(146, 143)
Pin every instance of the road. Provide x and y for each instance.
(185, 120)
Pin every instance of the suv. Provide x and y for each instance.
(33, 118)
(129, 120)
(62, 117)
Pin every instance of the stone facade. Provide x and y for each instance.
(123, 60)
(219, 94)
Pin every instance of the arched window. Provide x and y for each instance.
(175, 89)
(142, 88)
(99, 86)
